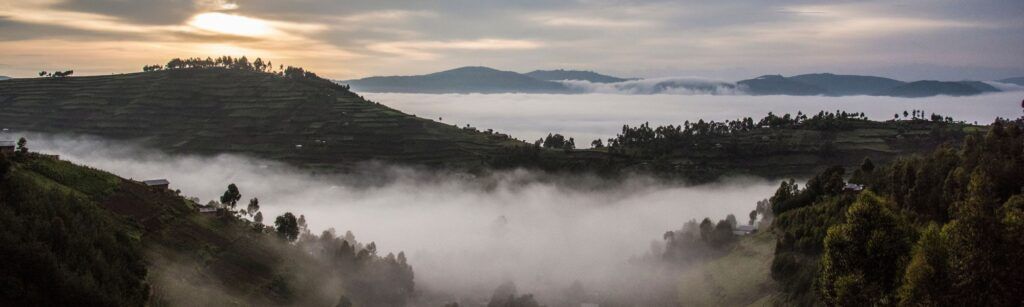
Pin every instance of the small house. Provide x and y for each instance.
(742, 230)
(204, 209)
(853, 187)
(158, 183)
(7, 147)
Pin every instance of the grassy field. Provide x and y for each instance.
(740, 278)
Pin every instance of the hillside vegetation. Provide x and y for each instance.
(199, 107)
(774, 146)
(309, 122)
(75, 236)
(940, 229)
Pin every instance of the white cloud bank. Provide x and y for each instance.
(464, 235)
(667, 85)
(590, 116)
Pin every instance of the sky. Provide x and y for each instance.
(729, 39)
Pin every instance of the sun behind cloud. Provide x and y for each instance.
(231, 24)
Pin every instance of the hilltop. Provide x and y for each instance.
(779, 85)
(841, 85)
(306, 122)
(582, 75)
(473, 79)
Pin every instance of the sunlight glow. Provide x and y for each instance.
(231, 24)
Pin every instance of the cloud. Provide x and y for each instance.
(463, 234)
(563, 21)
(666, 85)
(600, 116)
(426, 50)
(650, 38)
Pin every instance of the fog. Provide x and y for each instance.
(463, 234)
(668, 85)
(591, 116)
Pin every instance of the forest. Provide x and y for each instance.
(939, 229)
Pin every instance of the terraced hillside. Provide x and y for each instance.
(309, 122)
(315, 123)
(780, 152)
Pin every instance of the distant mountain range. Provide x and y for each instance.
(579, 75)
(932, 88)
(1017, 81)
(846, 85)
(471, 79)
(478, 79)
(4, 77)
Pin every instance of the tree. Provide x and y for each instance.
(22, 146)
(42, 73)
(732, 220)
(597, 143)
(231, 196)
(287, 227)
(867, 166)
(975, 247)
(706, 227)
(722, 234)
(254, 206)
(302, 223)
(927, 281)
(864, 257)
(258, 218)
(753, 217)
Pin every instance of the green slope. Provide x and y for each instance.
(740, 278)
(122, 243)
(215, 110)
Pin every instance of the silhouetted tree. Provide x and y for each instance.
(231, 196)
(254, 206)
(22, 146)
(287, 227)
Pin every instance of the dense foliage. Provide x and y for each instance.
(938, 229)
(58, 247)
